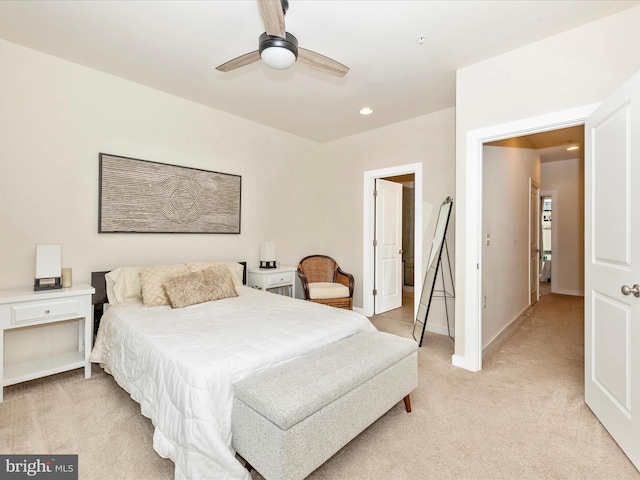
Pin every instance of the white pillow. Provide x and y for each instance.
(235, 268)
(123, 285)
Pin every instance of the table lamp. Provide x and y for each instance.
(268, 255)
(48, 266)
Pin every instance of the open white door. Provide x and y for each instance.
(612, 266)
(534, 241)
(388, 246)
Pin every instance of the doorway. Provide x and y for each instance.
(546, 241)
(394, 242)
(470, 306)
(368, 276)
(512, 222)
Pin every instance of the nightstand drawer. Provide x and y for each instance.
(276, 280)
(38, 311)
(281, 278)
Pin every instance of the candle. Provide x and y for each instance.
(66, 277)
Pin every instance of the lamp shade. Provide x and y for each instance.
(268, 251)
(48, 260)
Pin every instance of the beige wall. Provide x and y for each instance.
(572, 69)
(307, 197)
(429, 140)
(566, 179)
(56, 118)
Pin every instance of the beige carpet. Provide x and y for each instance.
(522, 417)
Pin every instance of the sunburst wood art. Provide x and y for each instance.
(140, 196)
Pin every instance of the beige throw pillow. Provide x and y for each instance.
(152, 280)
(213, 283)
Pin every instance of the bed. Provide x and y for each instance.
(180, 364)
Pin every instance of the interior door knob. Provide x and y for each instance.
(627, 290)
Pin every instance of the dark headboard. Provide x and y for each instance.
(99, 298)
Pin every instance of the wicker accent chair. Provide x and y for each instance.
(323, 281)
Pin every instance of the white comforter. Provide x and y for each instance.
(180, 364)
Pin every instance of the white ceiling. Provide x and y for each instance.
(174, 46)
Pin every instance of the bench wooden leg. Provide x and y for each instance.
(407, 403)
(246, 464)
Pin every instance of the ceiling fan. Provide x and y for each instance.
(278, 48)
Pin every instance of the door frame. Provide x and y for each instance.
(368, 233)
(469, 246)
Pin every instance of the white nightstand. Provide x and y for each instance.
(278, 280)
(26, 308)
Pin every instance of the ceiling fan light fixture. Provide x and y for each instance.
(276, 52)
(278, 49)
(278, 58)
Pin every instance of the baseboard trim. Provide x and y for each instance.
(504, 333)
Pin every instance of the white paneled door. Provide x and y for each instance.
(534, 241)
(388, 246)
(612, 266)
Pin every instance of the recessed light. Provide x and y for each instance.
(366, 111)
(421, 39)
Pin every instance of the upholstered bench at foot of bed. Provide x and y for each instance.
(288, 420)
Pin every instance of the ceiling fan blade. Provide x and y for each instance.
(272, 17)
(322, 63)
(240, 61)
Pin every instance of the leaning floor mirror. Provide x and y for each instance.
(438, 245)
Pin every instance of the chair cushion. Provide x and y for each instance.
(321, 290)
